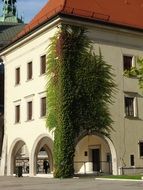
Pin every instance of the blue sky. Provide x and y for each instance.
(27, 8)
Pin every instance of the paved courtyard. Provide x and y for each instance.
(37, 183)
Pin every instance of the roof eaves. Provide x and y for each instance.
(16, 40)
(43, 19)
(40, 21)
(101, 19)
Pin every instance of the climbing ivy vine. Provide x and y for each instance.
(79, 90)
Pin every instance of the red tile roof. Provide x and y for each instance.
(123, 12)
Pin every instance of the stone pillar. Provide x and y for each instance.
(3, 163)
(32, 166)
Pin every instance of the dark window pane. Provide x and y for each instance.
(127, 61)
(17, 76)
(43, 106)
(129, 107)
(43, 64)
(132, 162)
(108, 157)
(17, 114)
(29, 71)
(141, 148)
(29, 110)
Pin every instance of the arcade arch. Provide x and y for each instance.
(42, 149)
(95, 153)
(18, 156)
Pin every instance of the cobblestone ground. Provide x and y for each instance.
(27, 183)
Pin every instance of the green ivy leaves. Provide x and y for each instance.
(79, 92)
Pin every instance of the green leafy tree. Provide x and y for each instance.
(79, 91)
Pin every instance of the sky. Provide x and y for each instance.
(27, 8)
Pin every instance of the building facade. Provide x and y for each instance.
(10, 25)
(120, 40)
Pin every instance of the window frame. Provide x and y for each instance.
(29, 70)
(140, 146)
(29, 112)
(17, 75)
(42, 106)
(132, 160)
(134, 105)
(17, 113)
(42, 64)
(132, 61)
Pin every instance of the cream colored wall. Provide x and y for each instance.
(127, 132)
(113, 45)
(33, 90)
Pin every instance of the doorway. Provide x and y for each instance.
(96, 159)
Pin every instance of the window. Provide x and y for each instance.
(17, 114)
(85, 153)
(29, 110)
(108, 157)
(131, 106)
(43, 64)
(141, 148)
(127, 62)
(132, 162)
(29, 71)
(17, 75)
(43, 106)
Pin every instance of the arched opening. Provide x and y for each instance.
(95, 154)
(44, 160)
(42, 153)
(19, 157)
